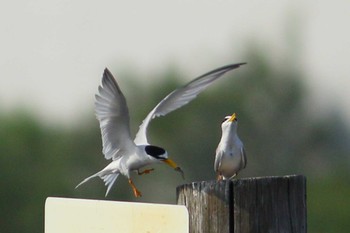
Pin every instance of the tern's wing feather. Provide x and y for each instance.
(244, 158)
(218, 159)
(112, 112)
(181, 97)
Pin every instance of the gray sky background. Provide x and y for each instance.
(52, 53)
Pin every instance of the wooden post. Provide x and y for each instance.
(264, 204)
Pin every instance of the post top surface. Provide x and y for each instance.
(92, 216)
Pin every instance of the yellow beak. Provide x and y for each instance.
(233, 117)
(170, 163)
(174, 165)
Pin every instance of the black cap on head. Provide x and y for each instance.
(155, 151)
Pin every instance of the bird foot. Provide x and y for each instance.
(219, 177)
(137, 193)
(147, 171)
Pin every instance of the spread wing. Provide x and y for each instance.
(113, 115)
(181, 97)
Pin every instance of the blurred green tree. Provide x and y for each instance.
(281, 137)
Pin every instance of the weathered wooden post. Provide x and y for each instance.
(264, 204)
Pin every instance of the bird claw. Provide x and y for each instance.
(220, 177)
(137, 193)
(147, 171)
(178, 169)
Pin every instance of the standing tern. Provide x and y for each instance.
(230, 154)
(113, 115)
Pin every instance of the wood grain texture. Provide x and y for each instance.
(263, 204)
(209, 205)
(270, 204)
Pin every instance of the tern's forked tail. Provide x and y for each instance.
(108, 179)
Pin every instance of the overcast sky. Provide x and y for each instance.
(52, 53)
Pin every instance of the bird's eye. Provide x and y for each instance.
(236, 119)
(225, 119)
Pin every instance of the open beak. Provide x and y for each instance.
(174, 165)
(233, 117)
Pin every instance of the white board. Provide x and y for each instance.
(67, 215)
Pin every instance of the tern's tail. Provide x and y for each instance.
(108, 179)
(87, 179)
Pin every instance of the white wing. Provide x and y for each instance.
(181, 97)
(113, 114)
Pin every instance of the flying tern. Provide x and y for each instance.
(230, 154)
(113, 115)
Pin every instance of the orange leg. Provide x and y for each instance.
(219, 177)
(137, 193)
(147, 171)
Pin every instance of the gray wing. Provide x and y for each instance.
(113, 115)
(218, 159)
(244, 158)
(181, 97)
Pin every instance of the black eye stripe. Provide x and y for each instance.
(225, 119)
(228, 117)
